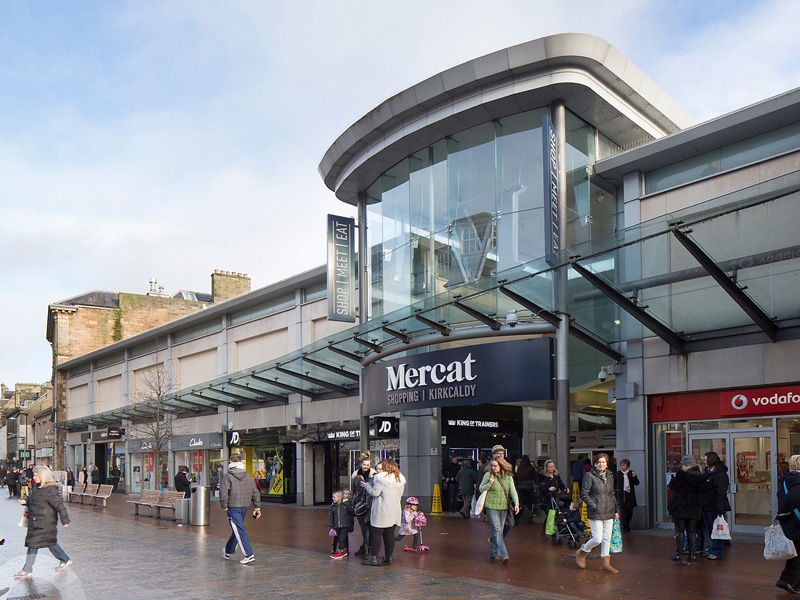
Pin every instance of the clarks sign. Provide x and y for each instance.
(501, 372)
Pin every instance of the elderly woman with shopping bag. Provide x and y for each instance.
(789, 518)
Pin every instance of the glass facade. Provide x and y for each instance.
(472, 205)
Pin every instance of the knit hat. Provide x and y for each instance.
(688, 461)
(498, 448)
(412, 500)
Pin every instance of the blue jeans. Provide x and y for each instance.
(55, 549)
(364, 530)
(501, 523)
(712, 546)
(238, 532)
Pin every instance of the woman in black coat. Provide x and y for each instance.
(526, 480)
(788, 507)
(95, 475)
(714, 501)
(684, 506)
(45, 505)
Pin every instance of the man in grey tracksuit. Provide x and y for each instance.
(237, 491)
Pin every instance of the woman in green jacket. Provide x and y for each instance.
(498, 484)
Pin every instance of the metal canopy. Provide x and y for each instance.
(628, 305)
(752, 309)
(621, 285)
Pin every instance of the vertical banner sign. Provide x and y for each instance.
(341, 270)
(552, 228)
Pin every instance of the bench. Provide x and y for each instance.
(149, 498)
(103, 493)
(168, 501)
(77, 490)
(91, 490)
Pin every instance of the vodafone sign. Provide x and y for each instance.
(761, 401)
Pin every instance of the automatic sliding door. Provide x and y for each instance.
(752, 478)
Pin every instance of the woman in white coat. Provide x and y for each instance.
(386, 490)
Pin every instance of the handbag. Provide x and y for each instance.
(720, 530)
(23, 522)
(616, 537)
(550, 524)
(479, 503)
(776, 545)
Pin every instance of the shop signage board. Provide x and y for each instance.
(514, 371)
(760, 401)
(384, 428)
(198, 441)
(552, 230)
(341, 270)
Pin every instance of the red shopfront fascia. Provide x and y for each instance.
(727, 404)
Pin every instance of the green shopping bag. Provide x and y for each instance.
(550, 524)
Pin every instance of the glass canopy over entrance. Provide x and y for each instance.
(722, 273)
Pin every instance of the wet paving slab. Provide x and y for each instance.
(119, 556)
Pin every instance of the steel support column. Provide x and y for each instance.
(363, 309)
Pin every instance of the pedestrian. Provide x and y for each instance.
(788, 507)
(95, 475)
(526, 480)
(83, 476)
(500, 505)
(550, 488)
(684, 506)
(597, 492)
(3, 472)
(409, 526)
(449, 473)
(497, 452)
(182, 483)
(44, 507)
(625, 482)
(363, 474)
(386, 513)
(70, 480)
(237, 491)
(577, 471)
(467, 479)
(23, 483)
(574, 520)
(340, 522)
(714, 501)
(11, 481)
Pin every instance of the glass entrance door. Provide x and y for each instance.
(751, 471)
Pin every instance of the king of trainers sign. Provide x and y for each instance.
(513, 371)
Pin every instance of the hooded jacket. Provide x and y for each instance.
(387, 494)
(341, 516)
(686, 487)
(238, 489)
(789, 505)
(714, 496)
(45, 505)
(599, 496)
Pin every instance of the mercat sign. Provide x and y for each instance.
(513, 371)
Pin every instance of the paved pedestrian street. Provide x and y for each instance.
(118, 556)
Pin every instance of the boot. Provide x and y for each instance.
(371, 561)
(387, 560)
(678, 547)
(605, 565)
(362, 551)
(691, 556)
(580, 558)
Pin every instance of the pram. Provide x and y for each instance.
(563, 531)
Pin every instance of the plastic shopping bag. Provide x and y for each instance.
(720, 530)
(776, 545)
(550, 524)
(616, 537)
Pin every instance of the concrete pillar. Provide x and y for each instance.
(420, 453)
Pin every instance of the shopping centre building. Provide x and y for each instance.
(555, 257)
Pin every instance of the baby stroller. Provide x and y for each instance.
(560, 503)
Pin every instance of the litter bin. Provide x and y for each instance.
(182, 511)
(201, 505)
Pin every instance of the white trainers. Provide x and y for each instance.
(247, 559)
(225, 555)
(63, 565)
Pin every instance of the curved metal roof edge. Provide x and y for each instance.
(729, 128)
(588, 52)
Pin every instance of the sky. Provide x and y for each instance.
(170, 138)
